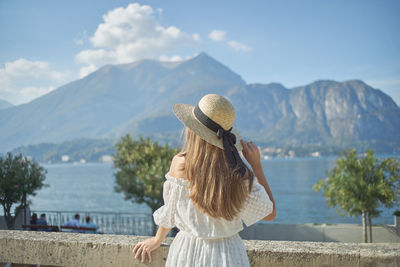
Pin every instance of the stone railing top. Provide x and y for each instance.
(72, 249)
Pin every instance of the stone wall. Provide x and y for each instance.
(69, 249)
(349, 233)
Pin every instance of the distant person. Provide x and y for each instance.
(74, 223)
(42, 221)
(33, 221)
(90, 224)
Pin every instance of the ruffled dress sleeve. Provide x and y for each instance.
(165, 215)
(257, 206)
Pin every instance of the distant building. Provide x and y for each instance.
(106, 158)
(269, 150)
(291, 153)
(64, 158)
(315, 154)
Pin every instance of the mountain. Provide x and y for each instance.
(114, 100)
(5, 104)
(79, 150)
(325, 112)
(137, 98)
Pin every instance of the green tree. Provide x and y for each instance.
(141, 168)
(359, 186)
(19, 178)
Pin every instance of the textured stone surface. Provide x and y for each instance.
(70, 249)
(347, 233)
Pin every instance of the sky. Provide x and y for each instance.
(46, 43)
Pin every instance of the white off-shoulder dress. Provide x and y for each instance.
(202, 239)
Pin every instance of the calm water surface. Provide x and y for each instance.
(83, 187)
(90, 187)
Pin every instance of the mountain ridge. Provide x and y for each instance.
(137, 98)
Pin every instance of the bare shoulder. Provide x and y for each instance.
(177, 168)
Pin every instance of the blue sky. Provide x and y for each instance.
(45, 44)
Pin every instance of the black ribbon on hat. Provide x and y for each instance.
(228, 140)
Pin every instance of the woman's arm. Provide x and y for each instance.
(177, 170)
(259, 173)
(252, 155)
(150, 244)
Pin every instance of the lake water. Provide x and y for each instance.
(90, 187)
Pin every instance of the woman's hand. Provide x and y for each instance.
(146, 247)
(251, 153)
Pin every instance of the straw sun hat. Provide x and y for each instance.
(216, 108)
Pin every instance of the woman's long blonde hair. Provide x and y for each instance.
(215, 188)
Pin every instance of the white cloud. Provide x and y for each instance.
(192, 56)
(23, 68)
(23, 80)
(177, 58)
(132, 33)
(217, 35)
(94, 57)
(239, 46)
(24, 94)
(196, 36)
(220, 36)
(82, 37)
(84, 71)
(173, 58)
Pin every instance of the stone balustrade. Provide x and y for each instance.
(25, 248)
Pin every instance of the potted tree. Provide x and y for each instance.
(396, 215)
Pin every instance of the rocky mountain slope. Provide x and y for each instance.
(5, 104)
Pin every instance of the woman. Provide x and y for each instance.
(209, 191)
